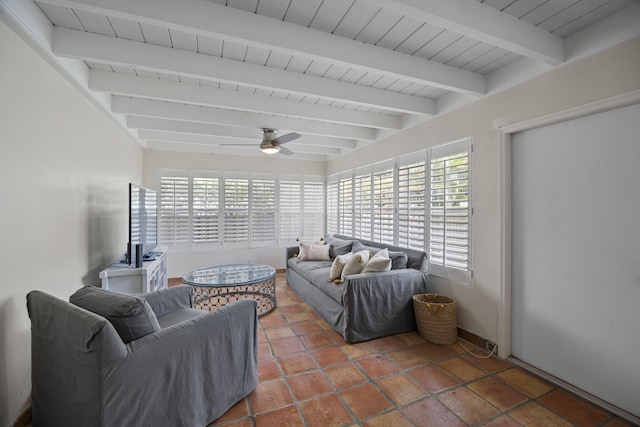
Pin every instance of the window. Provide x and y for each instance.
(420, 201)
(383, 206)
(236, 211)
(450, 212)
(204, 210)
(205, 220)
(174, 210)
(363, 206)
(332, 206)
(263, 212)
(313, 207)
(290, 206)
(345, 206)
(412, 187)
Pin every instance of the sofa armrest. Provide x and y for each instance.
(170, 299)
(377, 301)
(292, 251)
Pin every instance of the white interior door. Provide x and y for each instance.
(576, 253)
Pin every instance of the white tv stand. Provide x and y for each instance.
(128, 279)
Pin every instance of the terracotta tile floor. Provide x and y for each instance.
(309, 376)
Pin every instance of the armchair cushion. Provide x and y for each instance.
(169, 300)
(131, 316)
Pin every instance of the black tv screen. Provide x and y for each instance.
(143, 220)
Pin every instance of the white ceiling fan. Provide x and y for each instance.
(271, 144)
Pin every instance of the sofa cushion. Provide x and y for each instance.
(305, 268)
(311, 252)
(338, 246)
(319, 280)
(399, 260)
(379, 262)
(132, 317)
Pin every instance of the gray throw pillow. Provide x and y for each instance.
(339, 247)
(132, 317)
(399, 260)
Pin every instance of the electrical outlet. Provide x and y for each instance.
(489, 346)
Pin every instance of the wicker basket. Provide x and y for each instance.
(436, 318)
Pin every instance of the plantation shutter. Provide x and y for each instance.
(363, 205)
(332, 206)
(383, 205)
(345, 206)
(263, 212)
(236, 211)
(313, 207)
(290, 204)
(205, 212)
(174, 209)
(449, 211)
(412, 186)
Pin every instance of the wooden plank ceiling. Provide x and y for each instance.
(207, 76)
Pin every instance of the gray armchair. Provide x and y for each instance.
(144, 361)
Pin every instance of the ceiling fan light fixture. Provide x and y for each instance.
(269, 149)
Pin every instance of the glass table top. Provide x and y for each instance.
(229, 275)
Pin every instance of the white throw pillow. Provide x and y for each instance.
(338, 266)
(310, 252)
(355, 264)
(379, 262)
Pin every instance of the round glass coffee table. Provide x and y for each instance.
(219, 285)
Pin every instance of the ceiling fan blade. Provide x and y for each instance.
(285, 151)
(285, 138)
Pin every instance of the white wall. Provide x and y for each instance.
(611, 72)
(64, 169)
(180, 263)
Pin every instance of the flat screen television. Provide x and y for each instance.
(143, 222)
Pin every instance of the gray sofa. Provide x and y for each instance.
(108, 370)
(365, 306)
